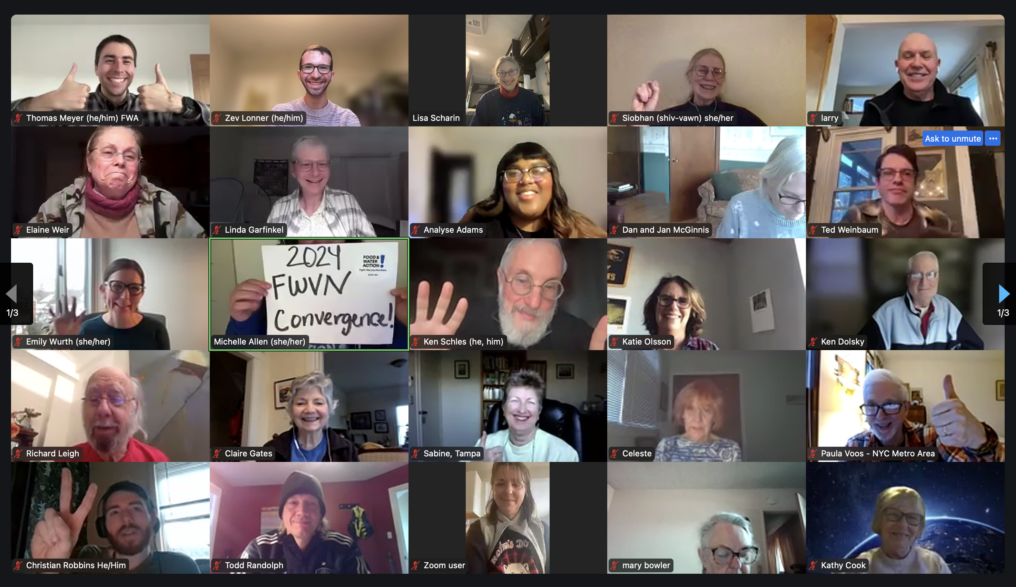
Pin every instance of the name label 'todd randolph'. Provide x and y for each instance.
(334, 293)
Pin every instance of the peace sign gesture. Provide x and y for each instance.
(56, 534)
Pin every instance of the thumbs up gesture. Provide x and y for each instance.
(491, 455)
(157, 97)
(955, 424)
(71, 95)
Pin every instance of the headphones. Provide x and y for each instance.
(100, 521)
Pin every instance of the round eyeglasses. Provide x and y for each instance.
(129, 157)
(118, 287)
(537, 173)
(522, 284)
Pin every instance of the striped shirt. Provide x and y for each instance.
(330, 115)
(677, 449)
(97, 102)
(338, 215)
(915, 434)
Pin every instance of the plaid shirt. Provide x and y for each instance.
(342, 215)
(915, 434)
(700, 344)
(99, 103)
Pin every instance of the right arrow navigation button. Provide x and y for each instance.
(1002, 294)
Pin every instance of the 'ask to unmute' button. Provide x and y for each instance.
(640, 565)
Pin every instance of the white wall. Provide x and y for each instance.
(665, 523)
(262, 418)
(839, 411)
(760, 264)
(579, 152)
(176, 279)
(702, 262)
(772, 430)
(459, 400)
(610, 496)
(974, 376)
(765, 57)
(570, 391)
(385, 398)
(35, 72)
(423, 141)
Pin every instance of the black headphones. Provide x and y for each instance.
(100, 521)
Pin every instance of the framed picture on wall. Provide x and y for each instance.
(283, 389)
(932, 180)
(462, 369)
(1000, 390)
(618, 263)
(380, 416)
(360, 420)
(565, 371)
(381, 427)
(915, 135)
(617, 314)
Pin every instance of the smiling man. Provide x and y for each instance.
(921, 319)
(919, 98)
(303, 538)
(115, 61)
(315, 74)
(113, 413)
(954, 431)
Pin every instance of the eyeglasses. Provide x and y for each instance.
(722, 555)
(930, 276)
(889, 409)
(886, 173)
(108, 155)
(537, 173)
(704, 71)
(308, 165)
(522, 284)
(509, 73)
(115, 399)
(135, 289)
(895, 515)
(666, 301)
(309, 68)
(791, 200)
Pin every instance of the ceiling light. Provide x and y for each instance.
(473, 52)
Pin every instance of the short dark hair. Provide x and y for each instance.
(319, 49)
(530, 379)
(115, 39)
(120, 265)
(698, 307)
(905, 151)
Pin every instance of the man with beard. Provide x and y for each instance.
(303, 539)
(315, 73)
(525, 311)
(127, 518)
(115, 59)
(919, 98)
(113, 413)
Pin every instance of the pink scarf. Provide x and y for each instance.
(108, 207)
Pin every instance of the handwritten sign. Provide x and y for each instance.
(334, 293)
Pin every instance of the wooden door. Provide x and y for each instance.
(201, 78)
(819, 43)
(623, 155)
(693, 158)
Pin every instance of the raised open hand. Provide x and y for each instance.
(66, 321)
(434, 325)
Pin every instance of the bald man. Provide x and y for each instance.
(919, 99)
(112, 413)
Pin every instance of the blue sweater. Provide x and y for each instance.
(257, 325)
(752, 215)
(148, 335)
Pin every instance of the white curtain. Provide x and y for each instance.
(992, 99)
(1000, 171)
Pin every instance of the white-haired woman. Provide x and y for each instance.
(776, 209)
(509, 104)
(899, 522)
(310, 440)
(510, 539)
(706, 74)
(315, 209)
(726, 545)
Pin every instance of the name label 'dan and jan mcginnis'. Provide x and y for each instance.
(666, 229)
(873, 453)
(259, 118)
(47, 453)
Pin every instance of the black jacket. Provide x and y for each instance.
(744, 117)
(525, 108)
(895, 109)
(331, 553)
(340, 450)
(566, 332)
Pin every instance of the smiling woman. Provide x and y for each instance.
(311, 405)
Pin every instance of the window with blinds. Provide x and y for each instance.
(633, 388)
(185, 508)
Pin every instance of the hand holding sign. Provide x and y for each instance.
(491, 455)
(157, 97)
(955, 424)
(246, 298)
(401, 304)
(333, 293)
(58, 531)
(428, 325)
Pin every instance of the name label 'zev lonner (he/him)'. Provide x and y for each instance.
(258, 118)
